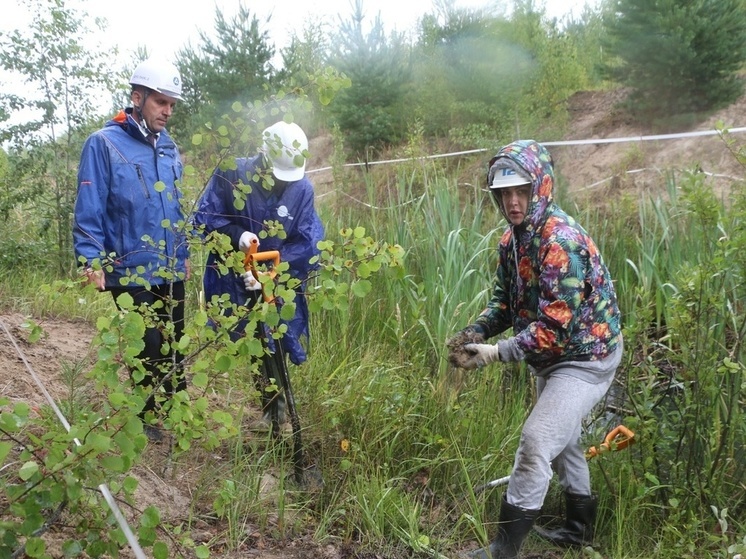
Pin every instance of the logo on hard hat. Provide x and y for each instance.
(282, 211)
(506, 177)
(176, 80)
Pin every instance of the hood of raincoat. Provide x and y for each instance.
(531, 160)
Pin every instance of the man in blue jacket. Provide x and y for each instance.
(128, 222)
(280, 193)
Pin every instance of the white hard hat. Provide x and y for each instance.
(284, 144)
(158, 75)
(504, 178)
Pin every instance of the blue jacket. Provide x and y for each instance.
(290, 204)
(118, 204)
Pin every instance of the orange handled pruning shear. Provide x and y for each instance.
(618, 438)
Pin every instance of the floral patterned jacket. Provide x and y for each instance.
(552, 286)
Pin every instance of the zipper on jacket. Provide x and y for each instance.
(142, 181)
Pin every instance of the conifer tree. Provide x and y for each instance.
(370, 112)
(678, 56)
(234, 63)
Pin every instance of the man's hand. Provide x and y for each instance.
(480, 355)
(96, 277)
(457, 354)
(250, 282)
(247, 239)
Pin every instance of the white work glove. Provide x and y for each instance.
(481, 355)
(246, 240)
(250, 282)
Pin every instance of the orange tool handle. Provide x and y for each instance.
(618, 438)
(253, 258)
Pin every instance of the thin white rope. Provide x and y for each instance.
(102, 488)
(589, 141)
(656, 137)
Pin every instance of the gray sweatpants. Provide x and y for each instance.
(551, 435)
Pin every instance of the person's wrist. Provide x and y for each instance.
(478, 328)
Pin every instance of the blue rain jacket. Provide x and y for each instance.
(118, 203)
(292, 205)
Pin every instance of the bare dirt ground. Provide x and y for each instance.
(597, 170)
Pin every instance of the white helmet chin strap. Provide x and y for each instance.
(139, 116)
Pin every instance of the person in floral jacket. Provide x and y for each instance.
(555, 292)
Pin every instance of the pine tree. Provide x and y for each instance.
(678, 56)
(235, 66)
(371, 111)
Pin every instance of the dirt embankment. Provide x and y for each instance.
(596, 168)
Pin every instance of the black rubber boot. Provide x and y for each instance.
(578, 530)
(515, 524)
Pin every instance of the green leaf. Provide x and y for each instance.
(5, 448)
(183, 344)
(571, 282)
(200, 380)
(22, 409)
(197, 139)
(35, 547)
(200, 319)
(116, 399)
(287, 311)
(130, 484)
(202, 552)
(72, 548)
(125, 300)
(361, 288)
(151, 517)
(133, 426)
(99, 442)
(160, 186)
(224, 363)
(160, 550)
(28, 470)
(146, 535)
(35, 334)
(364, 270)
(105, 354)
(125, 443)
(114, 463)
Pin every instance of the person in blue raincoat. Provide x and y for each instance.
(286, 198)
(128, 222)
